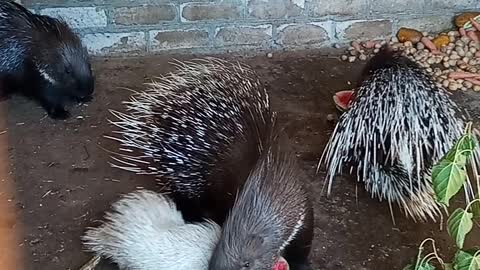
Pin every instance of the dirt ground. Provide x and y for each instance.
(63, 182)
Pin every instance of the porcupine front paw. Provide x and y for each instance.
(58, 113)
(85, 99)
(54, 105)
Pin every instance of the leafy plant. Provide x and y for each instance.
(448, 176)
(423, 262)
(459, 225)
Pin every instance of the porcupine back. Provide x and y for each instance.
(199, 129)
(399, 124)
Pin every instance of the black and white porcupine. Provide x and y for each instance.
(145, 231)
(207, 132)
(42, 58)
(399, 125)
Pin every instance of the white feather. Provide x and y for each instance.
(145, 231)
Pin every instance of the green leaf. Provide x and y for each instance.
(449, 174)
(459, 224)
(448, 178)
(448, 266)
(475, 208)
(467, 261)
(466, 145)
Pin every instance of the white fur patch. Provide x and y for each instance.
(146, 232)
(295, 231)
(45, 75)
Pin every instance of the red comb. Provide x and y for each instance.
(281, 264)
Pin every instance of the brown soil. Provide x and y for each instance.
(62, 180)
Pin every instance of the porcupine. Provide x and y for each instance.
(43, 59)
(399, 124)
(201, 130)
(144, 231)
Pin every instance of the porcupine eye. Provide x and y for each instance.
(246, 265)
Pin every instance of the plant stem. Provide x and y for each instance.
(428, 257)
(470, 204)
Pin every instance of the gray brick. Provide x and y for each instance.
(178, 39)
(42, 2)
(356, 8)
(244, 35)
(363, 30)
(210, 11)
(275, 9)
(303, 34)
(432, 24)
(115, 43)
(456, 4)
(99, 2)
(403, 6)
(79, 17)
(144, 15)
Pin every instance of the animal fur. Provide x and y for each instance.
(43, 59)
(399, 125)
(271, 211)
(145, 231)
(200, 131)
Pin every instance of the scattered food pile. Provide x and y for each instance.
(453, 58)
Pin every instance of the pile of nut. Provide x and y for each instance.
(452, 58)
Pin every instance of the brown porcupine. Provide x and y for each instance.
(399, 125)
(207, 132)
(43, 59)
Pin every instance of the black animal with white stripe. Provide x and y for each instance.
(43, 59)
(207, 132)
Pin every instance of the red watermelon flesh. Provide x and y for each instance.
(342, 99)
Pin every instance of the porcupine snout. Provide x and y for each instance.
(77, 73)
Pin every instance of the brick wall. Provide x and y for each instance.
(132, 27)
